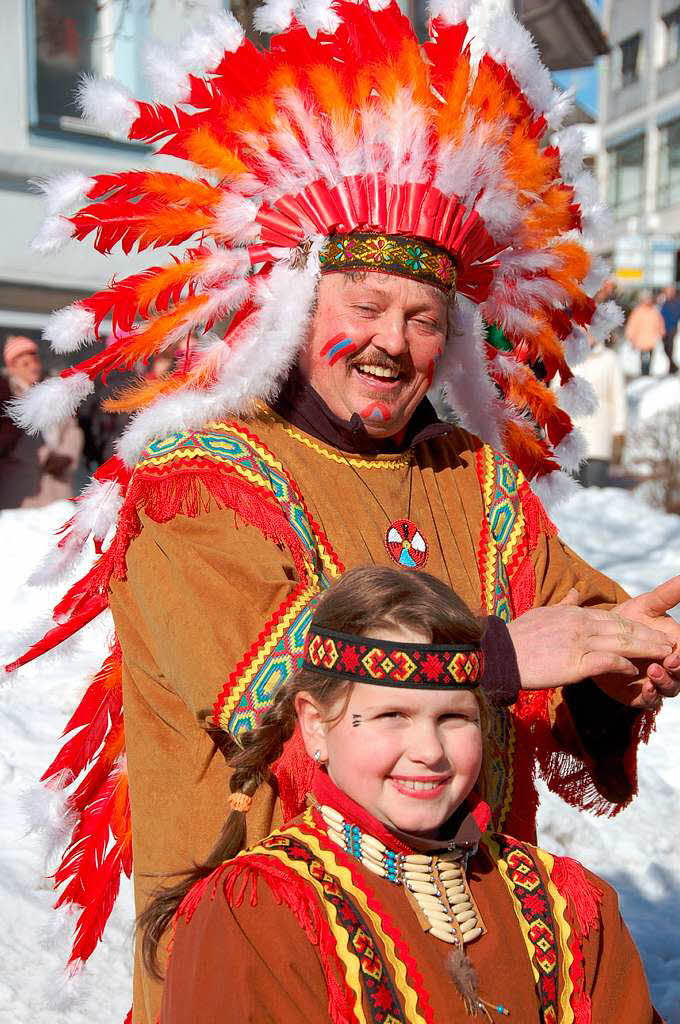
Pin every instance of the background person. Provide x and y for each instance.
(35, 469)
(670, 311)
(644, 329)
(605, 430)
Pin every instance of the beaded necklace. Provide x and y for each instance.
(437, 884)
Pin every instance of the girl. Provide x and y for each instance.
(387, 900)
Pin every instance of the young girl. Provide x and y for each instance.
(387, 901)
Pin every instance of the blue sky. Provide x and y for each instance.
(585, 79)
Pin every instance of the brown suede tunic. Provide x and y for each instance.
(250, 944)
(201, 587)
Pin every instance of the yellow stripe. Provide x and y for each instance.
(559, 906)
(348, 959)
(495, 851)
(264, 652)
(345, 879)
(380, 461)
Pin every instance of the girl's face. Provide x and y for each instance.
(409, 757)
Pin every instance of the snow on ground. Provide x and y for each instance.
(636, 851)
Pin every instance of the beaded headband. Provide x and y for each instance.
(390, 254)
(412, 666)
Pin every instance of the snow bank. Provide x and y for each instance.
(636, 852)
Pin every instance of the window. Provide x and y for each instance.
(670, 35)
(669, 164)
(626, 176)
(102, 37)
(627, 61)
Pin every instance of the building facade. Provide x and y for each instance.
(639, 157)
(47, 45)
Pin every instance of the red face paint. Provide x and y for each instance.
(434, 363)
(337, 348)
(377, 411)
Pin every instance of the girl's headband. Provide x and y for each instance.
(382, 662)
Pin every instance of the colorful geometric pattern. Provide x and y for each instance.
(406, 545)
(278, 651)
(357, 946)
(417, 666)
(390, 254)
(534, 911)
(502, 545)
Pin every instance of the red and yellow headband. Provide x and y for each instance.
(411, 666)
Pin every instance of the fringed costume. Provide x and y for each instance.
(309, 927)
(237, 497)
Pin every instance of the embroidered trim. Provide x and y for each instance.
(565, 938)
(278, 650)
(401, 461)
(390, 254)
(353, 923)
(425, 666)
(502, 545)
(533, 908)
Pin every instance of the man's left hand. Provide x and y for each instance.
(657, 680)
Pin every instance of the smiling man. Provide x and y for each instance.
(375, 219)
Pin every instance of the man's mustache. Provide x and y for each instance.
(379, 359)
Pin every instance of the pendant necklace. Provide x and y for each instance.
(403, 539)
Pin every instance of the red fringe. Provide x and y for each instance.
(294, 771)
(583, 898)
(290, 890)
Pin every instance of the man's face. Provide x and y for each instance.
(27, 368)
(373, 347)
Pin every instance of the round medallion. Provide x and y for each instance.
(406, 545)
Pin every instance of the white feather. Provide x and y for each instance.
(597, 275)
(493, 29)
(54, 233)
(570, 142)
(252, 366)
(576, 347)
(63, 190)
(554, 488)
(572, 450)
(165, 73)
(274, 16)
(59, 563)
(224, 263)
(606, 318)
(577, 397)
(319, 16)
(235, 218)
(97, 509)
(106, 104)
(203, 47)
(463, 377)
(451, 12)
(46, 810)
(51, 402)
(70, 328)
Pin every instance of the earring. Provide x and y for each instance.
(317, 756)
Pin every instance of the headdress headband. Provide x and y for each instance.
(390, 254)
(408, 666)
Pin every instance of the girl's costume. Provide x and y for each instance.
(346, 145)
(307, 927)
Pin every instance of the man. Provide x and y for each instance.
(644, 329)
(34, 470)
(304, 445)
(670, 311)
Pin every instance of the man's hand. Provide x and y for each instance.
(565, 643)
(661, 678)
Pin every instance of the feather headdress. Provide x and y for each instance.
(345, 124)
(345, 127)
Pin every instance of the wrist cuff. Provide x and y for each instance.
(501, 682)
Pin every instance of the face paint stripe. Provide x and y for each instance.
(376, 411)
(345, 348)
(333, 341)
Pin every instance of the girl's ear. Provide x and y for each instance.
(312, 726)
